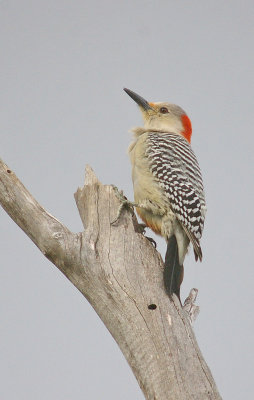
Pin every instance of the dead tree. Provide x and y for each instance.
(121, 275)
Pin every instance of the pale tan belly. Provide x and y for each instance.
(147, 192)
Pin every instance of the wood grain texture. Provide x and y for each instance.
(120, 273)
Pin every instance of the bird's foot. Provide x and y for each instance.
(189, 307)
(152, 241)
(140, 228)
(125, 204)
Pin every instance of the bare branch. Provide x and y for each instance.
(54, 240)
(120, 272)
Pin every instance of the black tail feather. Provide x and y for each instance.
(173, 271)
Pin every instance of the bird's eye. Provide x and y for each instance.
(164, 110)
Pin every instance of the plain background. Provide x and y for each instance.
(63, 67)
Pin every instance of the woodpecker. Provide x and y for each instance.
(168, 187)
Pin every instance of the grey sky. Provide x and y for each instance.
(63, 67)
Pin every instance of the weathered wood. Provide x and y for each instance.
(120, 273)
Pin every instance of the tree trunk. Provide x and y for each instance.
(121, 274)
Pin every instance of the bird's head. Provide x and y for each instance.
(165, 117)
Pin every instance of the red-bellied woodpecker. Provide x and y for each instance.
(168, 187)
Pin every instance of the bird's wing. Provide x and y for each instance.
(175, 167)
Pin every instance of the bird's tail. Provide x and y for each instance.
(173, 271)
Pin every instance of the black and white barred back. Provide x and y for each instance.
(176, 169)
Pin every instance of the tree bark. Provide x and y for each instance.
(121, 274)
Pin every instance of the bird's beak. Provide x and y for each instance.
(138, 99)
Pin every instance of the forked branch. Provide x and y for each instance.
(120, 273)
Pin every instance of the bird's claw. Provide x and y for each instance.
(140, 228)
(119, 193)
(152, 241)
(125, 204)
